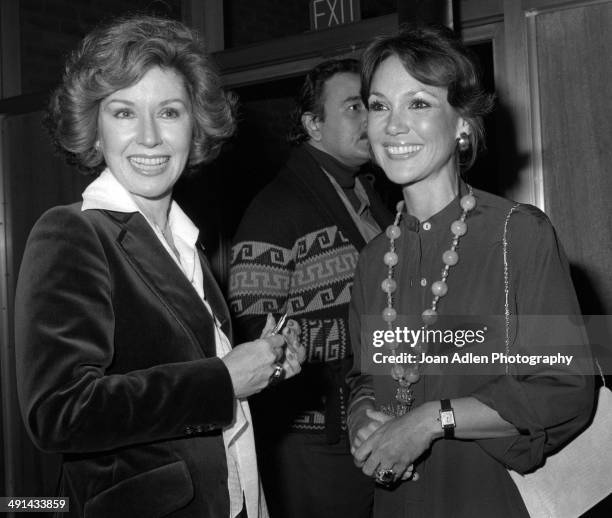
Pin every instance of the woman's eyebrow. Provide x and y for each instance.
(409, 93)
(122, 101)
(162, 103)
(173, 100)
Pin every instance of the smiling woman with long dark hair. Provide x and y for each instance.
(123, 339)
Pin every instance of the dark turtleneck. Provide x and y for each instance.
(343, 174)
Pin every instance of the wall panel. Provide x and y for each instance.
(33, 180)
(574, 67)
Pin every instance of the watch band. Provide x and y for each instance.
(447, 418)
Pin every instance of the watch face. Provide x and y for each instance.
(447, 418)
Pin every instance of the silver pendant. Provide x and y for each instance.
(395, 410)
(404, 397)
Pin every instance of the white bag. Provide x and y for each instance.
(578, 476)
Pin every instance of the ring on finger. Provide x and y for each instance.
(384, 476)
(277, 375)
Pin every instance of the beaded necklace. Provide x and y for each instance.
(406, 377)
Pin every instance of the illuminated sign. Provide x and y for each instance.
(330, 13)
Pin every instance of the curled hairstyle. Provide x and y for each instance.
(118, 55)
(310, 98)
(435, 56)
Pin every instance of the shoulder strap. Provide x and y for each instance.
(601, 374)
(507, 283)
(507, 294)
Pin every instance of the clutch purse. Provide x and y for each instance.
(579, 475)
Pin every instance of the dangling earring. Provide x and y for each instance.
(463, 141)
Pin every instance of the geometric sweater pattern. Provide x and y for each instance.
(296, 251)
(317, 272)
(315, 275)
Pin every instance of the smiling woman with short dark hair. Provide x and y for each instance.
(438, 443)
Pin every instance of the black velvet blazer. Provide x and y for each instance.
(117, 371)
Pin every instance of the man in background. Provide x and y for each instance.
(295, 251)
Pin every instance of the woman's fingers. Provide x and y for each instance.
(251, 364)
(277, 346)
(267, 360)
(370, 464)
(291, 364)
(270, 322)
(366, 431)
(291, 333)
(394, 444)
(362, 435)
(364, 451)
(378, 416)
(410, 474)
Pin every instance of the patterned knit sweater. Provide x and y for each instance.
(296, 250)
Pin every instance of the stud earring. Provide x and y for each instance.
(463, 141)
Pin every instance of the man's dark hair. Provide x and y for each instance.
(310, 98)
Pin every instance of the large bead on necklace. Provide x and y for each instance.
(468, 202)
(450, 257)
(389, 314)
(390, 259)
(388, 285)
(458, 228)
(429, 316)
(393, 232)
(439, 288)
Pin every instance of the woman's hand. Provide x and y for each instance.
(363, 421)
(397, 443)
(291, 333)
(252, 363)
(294, 352)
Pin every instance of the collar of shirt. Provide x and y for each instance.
(343, 174)
(362, 196)
(361, 216)
(441, 221)
(344, 177)
(106, 193)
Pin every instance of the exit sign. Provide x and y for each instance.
(329, 13)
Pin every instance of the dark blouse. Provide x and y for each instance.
(547, 404)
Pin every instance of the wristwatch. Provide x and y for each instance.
(447, 419)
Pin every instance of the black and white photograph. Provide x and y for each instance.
(306, 258)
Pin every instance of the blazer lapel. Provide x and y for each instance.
(159, 271)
